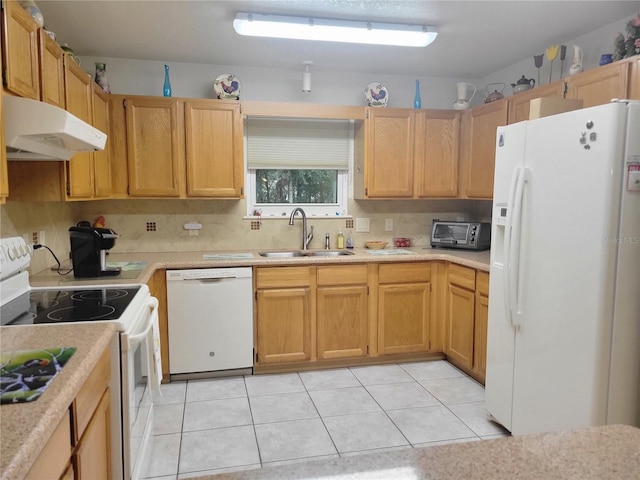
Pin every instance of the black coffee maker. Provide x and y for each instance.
(89, 246)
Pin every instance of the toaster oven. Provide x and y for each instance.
(461, 235)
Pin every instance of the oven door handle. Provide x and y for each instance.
(135, 339)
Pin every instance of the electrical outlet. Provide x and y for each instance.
(41, 239)
(388, 224)
(363, 225)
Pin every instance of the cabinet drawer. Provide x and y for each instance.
(283, 277)
(464, 277)
(482, 283)
(54, 458)
(404, 272)
(342, 275)
(89, 396)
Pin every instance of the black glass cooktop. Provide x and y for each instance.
(67, 306)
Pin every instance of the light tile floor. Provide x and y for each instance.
(219, 425)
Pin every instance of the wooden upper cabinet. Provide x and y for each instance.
(479, 148)
(4, 178)
(51, 71)
(388, 155)
(634, 78)
(101, 159)
(518, 109)
(437, 139)
(117, 142)
(20, 51)
(214, 153)
(79, 100)
(600, 85)
(155, 150)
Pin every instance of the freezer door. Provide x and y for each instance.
(571, 206)
(510, 149)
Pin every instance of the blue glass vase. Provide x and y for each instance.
(166, 91)
(417, 101)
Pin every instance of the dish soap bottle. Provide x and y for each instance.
(340, 239)
(349, 240)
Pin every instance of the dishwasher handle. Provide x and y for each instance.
(209, 275)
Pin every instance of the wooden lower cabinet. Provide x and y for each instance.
(482, 318)
(342, 313)
(80, 446)
(466, 316)
(92, 457)
(404, 306)
(283, 314)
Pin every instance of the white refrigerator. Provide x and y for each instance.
(563, 346)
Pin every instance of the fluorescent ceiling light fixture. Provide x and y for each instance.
(326, 30)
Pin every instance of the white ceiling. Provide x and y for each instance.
(475, 38)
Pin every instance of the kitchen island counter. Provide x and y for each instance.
(609, 452)
(251, 258)
(26, 427)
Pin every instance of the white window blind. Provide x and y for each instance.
(283, 143)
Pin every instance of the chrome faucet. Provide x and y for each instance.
(306, 238)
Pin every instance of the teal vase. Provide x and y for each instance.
(417, 101)
(166, 91)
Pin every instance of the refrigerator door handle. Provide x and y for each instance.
(506, 284)
(515, 252)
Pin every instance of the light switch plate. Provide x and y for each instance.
(388, 224)
(363, 225)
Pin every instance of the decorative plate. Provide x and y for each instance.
(376, 94)
(227, 86)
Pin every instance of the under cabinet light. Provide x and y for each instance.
(305, 28)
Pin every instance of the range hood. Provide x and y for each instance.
(39, 131)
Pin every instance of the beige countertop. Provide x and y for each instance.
(25, 427)
(611, 452)
(182, 260)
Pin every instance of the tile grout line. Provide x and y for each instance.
(319, 416)
(253, 423)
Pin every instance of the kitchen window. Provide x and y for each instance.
(298, 163)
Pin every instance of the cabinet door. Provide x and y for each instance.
(284, 325)
(92, 457)
(101, 159)
(479, 147)
(342, 321)
(51, 71)
(79, 93)
(519, 103)
(403, 317)
(213, 136)
(389, 153)
(481, 321)
(4, 177)
(117, 140)
(20, 52)
(155, 151)
(459, 326)
(600, 85)
(437, 140)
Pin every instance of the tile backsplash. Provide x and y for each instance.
(224, 225)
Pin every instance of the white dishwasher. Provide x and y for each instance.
(210, 314)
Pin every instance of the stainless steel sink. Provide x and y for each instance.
(328, 253)
(308, 253)
(285, 254)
